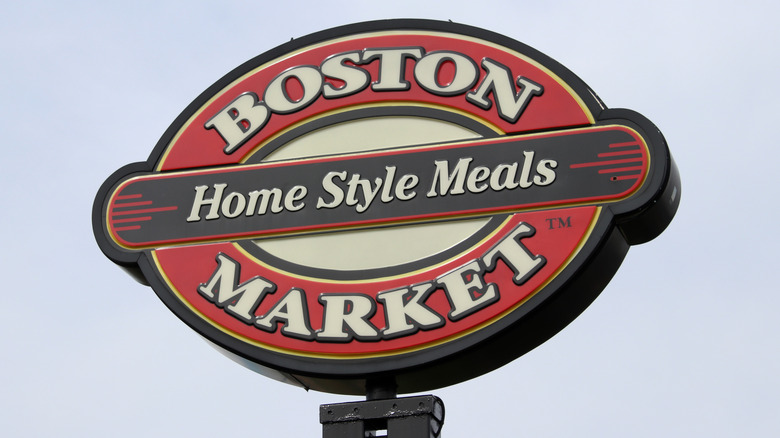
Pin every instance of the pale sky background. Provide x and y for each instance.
(682, 343)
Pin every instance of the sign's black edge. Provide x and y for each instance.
(441, 365)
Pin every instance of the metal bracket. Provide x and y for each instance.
(409, 417)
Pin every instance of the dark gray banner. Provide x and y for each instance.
(578, 166)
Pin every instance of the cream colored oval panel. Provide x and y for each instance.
(392, 246)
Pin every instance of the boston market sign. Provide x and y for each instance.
(409, 200)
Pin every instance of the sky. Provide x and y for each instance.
(682, 342)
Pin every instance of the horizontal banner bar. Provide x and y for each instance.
(593, 165)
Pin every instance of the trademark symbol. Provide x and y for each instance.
(558, 222)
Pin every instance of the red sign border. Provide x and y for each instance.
(632, 221)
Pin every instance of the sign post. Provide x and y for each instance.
(388, 207)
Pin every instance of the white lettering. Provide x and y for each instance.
(388, 184)
(227, 205)
(277, 97)
(239, 300)
(368, 192)
(478, 175)
(428, 69)
(442, 73)
(296, 194)
(333, 190)
(498, 81)
(405, 311)
(346, 316)
(392, 66)
(508, 172)
(256, 202)
(407, 182)
(512, 251)
(546, 173)
(266, 196)
(446, 179)
(292, 311)
(525, 175)
(239, 120)
(467, 296)
(355, 78)
(200, 201)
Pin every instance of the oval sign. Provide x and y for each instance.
(409, 200)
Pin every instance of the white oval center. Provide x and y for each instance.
(380, 247)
